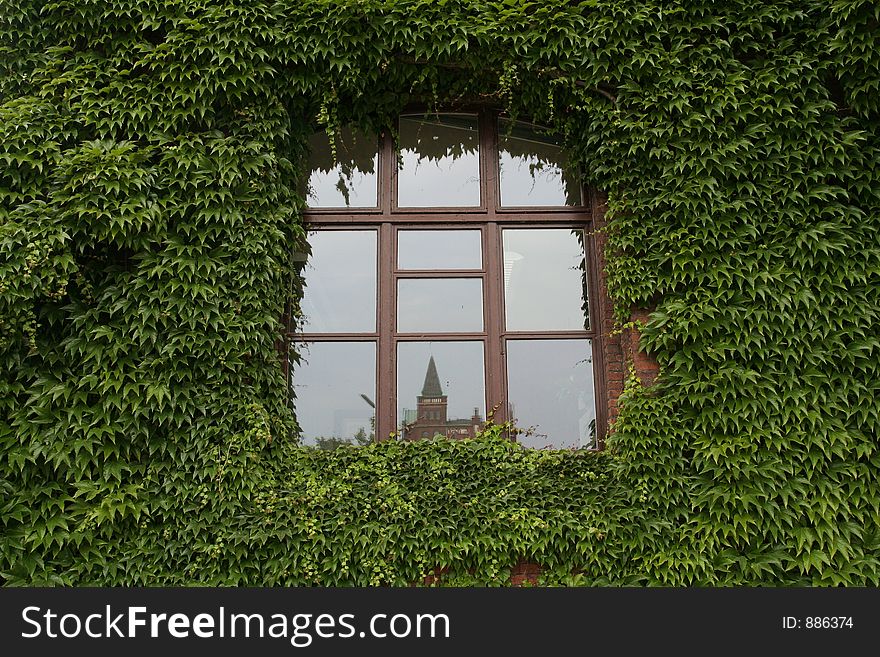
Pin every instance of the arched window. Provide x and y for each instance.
(454, 269)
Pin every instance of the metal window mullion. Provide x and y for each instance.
(386, 357)
(438, 273)
(387, 161)
(496, 383)
(308, 338)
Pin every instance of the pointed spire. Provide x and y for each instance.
(432, 381)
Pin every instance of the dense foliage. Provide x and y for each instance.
(148, 214)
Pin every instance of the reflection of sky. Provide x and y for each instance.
(440, 305)
(328, 383)
(459, 367)
(327, 179)
(543, 280)
(530, 181)
(534, 176)
(532, 168)
(445, 181)
(340, 277)
(551, 388)
(325, 192)
(439, 249)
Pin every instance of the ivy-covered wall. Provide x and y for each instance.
(148, 213)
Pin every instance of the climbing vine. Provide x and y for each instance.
(148, 216)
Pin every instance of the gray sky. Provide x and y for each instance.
(543, 281)
(551, 388)
(340, 291)
(328, 384)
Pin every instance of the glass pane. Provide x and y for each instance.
(349, 180)
(550, 385)
(533, 168)
(439, 249)
(545, 280)
(439, 305)
(334, 385)
(340, 283)
(440, 389)
(439, 161)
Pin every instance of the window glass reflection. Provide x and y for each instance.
(334, 386)
(439, 161)
(440, 389)
(439, 249)
(340, 282)
(350, 179)
(545, 279)
(551, 392)
(533, 169)
(440, 305)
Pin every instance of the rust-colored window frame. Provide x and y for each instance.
(490, 218)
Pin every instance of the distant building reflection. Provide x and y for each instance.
(429, 419)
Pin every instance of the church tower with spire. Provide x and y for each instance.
(430, 406)
(431, 417)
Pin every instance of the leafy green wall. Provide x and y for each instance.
(147, 219)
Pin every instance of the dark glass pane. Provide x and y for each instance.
(551, 395)
(533, 169)
(439, 305)
(440, 161)
(439, 249)
(350, 179)
(440, 389)
(545, 280)
(334, 385)
(340, 283)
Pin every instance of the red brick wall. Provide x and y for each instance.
(619, 346)
(524, 573)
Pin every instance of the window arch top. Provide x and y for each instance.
(467, 161)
